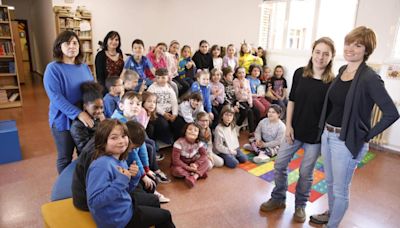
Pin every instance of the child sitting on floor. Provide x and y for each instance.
(269, 134)
(189, 156)
(203, 120)
(226, 141)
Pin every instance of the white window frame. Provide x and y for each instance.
(291, 51)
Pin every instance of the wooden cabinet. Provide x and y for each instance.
(10, 90)
(79, 21)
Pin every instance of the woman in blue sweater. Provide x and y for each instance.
(62, 80)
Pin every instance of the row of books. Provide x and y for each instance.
(6, 48)
(5, 30)
(4, 97)
(3, 14)
(7, 67)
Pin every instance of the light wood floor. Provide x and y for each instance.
(227, 198)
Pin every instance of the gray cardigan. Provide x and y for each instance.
(366, 90)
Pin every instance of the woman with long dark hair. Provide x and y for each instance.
(62, 80)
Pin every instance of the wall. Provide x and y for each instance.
(382, 17)
(40, 19)
(186, 21)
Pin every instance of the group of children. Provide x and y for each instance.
(144, 103)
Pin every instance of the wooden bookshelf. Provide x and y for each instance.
(80, 22)
(10, 90)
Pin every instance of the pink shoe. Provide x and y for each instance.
(190, 181)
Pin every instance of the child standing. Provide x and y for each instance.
(230, 59)
(187, 68)
(259, 101)
(246, 58)
(109, 181)
(202, 86)
(93, 106)
(216, 56)
(115, 88)
(245, 99)
(167, 106)
(269, 135)
(202, 58)
(131, 79)
(226, 142)
(217, 94)
(139, 63)
(203, 120)
(189, 156)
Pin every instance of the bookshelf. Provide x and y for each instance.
(79, 21)
(10, 90)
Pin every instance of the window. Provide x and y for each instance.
(295, 24)
(396, 52)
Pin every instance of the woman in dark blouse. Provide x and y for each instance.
(109, 61)
(346, 121)
(306, 98)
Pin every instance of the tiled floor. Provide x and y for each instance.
(227, 198)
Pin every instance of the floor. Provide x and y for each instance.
(227, 198)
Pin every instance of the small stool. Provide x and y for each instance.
(62, 213)
(9, 141)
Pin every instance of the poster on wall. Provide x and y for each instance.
(394, 71)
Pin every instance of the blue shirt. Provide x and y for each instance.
(205, 93)
(62, 84)
(107, 191)
(110, 104)
(254, 83)
(140, 68)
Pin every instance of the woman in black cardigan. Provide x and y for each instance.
(346, 118)
(109, 61)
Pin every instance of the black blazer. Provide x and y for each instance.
(366, 90)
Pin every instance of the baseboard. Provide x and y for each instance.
(385, 148)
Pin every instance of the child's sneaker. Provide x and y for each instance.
(247, 147)
(160, 157)
(261, 158)
(161, 197)
(162, 178)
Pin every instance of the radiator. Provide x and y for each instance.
(375, 117)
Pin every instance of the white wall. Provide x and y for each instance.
(187, 21)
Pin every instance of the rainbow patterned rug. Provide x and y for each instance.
(266, 172)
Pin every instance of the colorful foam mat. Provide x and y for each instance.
(266, 172)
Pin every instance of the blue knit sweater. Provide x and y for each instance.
(205, 93)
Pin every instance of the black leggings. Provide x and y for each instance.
(252, 114)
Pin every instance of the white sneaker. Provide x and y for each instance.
(261, 158)
(247, 147)
(161, 197)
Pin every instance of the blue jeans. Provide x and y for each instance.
(232, 161)
(339, 166)
(303, 188)
(65, 148)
